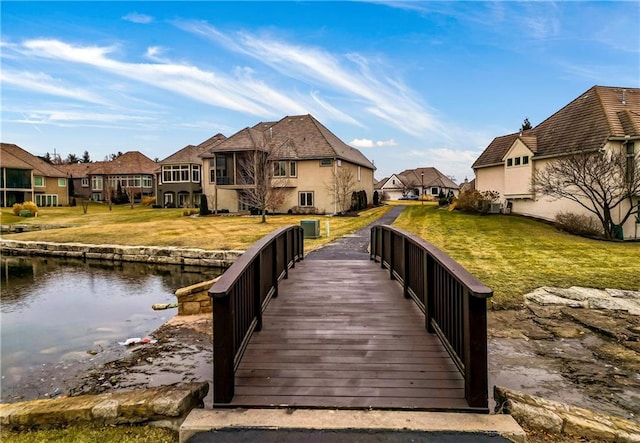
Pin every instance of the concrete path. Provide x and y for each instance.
(353, 246)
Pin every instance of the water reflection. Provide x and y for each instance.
(54, 310)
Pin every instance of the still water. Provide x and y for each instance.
(59, 313)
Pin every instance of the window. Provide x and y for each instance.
(96, 196)
(62, 182)
(517, 161)
(85, 182)
(168, 198)
(509, 162)
(195, 173)
(96, 183)
(175, 173)
(38, 181)
(305, 198)
(46, 200)
(630, 175)
(434, 191)
(525, 159)
(280, 168)
(147, 181)
(293, 169)
(326, 162)
(224, 169)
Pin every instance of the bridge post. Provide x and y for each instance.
(475, 350)
(223, 352)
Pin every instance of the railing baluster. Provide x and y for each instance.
(453, 300)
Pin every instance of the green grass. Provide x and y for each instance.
(92, 434)
(514, 255)
(168, 227)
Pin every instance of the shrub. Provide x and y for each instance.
(204, 205)
(472, 201)
(579, 224)
(26, 206)
(148, 201)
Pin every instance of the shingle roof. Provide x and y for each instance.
(585, 124)
(132, 162)
(188, 154)
(298, 137)
(432, 177)
(18, 156)
(212, 141)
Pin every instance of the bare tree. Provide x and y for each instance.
(266, 185)
(597, 181)
(131, 192)
(341, 188)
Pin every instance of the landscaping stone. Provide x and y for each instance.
(167, 404)
(578, 297)
(562, 419)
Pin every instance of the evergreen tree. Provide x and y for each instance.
(526, 125)
(85, 157)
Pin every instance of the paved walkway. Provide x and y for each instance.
(353, 246)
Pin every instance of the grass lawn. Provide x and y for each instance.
(168, 227)
(93, 433)
(514, 255)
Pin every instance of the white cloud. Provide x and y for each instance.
(353, 75)
(366, 143)
(45, 84)
(135, 17)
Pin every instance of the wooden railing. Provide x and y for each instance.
(240, 296)
(453, 300)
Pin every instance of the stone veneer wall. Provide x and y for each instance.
(195, 299)
(145, 254)
(559, 418)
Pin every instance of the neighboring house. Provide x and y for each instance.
(180, 175)
(467, 186)
(601, 119)
(132, 172)
(306, 157)
(428, 182)
(25, 177)
(391, 188)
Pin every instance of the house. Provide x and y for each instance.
(180, 175)
(131, 173)
(428, 182)
(306, 160)
(391, 188)
(604, 119)
(25, 177)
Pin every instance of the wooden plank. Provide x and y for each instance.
(332, 340)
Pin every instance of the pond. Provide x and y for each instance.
(57, 314)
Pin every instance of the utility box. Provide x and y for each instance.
(311, 228)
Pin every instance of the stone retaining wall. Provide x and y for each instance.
(165, 406)
(144, 254)
(195, 299)
(558, 418)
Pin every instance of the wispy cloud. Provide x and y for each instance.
(239, 92)
(45, 84)
(367, 143)
(135, 17)
(353, 75)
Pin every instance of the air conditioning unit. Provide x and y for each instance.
(494, 208)
(310, 228)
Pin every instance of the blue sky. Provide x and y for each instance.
(411, 84)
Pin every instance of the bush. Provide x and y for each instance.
(148, 201)
(26, 206)
(579, 224)
(204, 205)
(472, 201)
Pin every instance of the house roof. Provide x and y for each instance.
(16, 157)
(212, 141)
(585, 124)
(432, 177)
(380, 184)
(132, 162)
(298, 137)
(188, 154)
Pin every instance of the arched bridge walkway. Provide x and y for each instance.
(405, 329)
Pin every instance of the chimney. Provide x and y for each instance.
(624, 96)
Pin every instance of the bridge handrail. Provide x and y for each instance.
(240, 296)
(453, 300)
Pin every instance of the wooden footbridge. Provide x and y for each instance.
(404, 330)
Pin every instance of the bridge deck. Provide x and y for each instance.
(341, 335)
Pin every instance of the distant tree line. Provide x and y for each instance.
(71, 158)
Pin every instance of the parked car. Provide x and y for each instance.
(409, 197)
